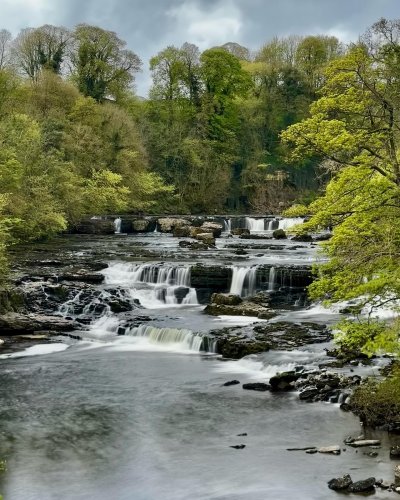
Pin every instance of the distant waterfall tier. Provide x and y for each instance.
(288, 284)
(290, 222)
(117, 225)
(255, 225)
(227, 225)
(180, 338)
(166, 284)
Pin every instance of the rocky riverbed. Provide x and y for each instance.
(236, 297)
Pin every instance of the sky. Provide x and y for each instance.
(148, 26)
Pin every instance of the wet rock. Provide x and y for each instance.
(243, 434)
(15, 323)
(239, 231)
(283, 381)
(236, 348)
(397, 475)
(365, 442)
(95, 226)
(244, 309)
(279, 234)
(308, 394)
(182, 231)
(143, 225)
(231, 382)
(240, 251)
(340, 483)
(212, 227)
(395, 452)
(238, 446)
(332, 450)
(256, 386)
(82, 276)
(226, 299)
(167, 224)
(206, 238)
(312, 451)
(302, 237)
(362, 486)
(195, 245)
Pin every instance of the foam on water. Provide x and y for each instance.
(36, 350)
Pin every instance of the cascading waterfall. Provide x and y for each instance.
(243, 281)
(166, 284)
(117, 225)
(271, 279)
(255, 225)
(227, 225)
(182, 339)
(290, 222)
(271, 224)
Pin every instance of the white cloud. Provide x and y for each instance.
(207, 26)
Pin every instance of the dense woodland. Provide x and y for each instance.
(222, 130)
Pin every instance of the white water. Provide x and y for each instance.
(255, 225)
(148, 337)
(36, 350)
(271, 279)
(227, 225)
(243, 281)
(117, 225)
(162, 282)
(290, 222)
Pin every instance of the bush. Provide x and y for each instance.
(376, 402)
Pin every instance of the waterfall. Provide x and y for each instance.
(227, 225)
(182, 339)
(288, 223)
(164, 283)
(117, 225)
(255, 225)
(271, 224)
(243, 281)
(271, 279)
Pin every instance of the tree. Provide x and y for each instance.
(5, 46)
(103, 67)
(36, 49)
(355, 127)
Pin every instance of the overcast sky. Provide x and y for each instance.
(150, 25)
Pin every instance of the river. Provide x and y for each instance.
(145, 415)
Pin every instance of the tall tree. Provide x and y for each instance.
(103, 67)
(5, 48)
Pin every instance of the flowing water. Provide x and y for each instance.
(139, 412)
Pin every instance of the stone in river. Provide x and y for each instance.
(365, 442)
(256, 386)
(333, 450)
(238, 446)
(231, 382)
(395, 452)
(340, 483)
(362, 486)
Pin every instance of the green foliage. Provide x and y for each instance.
(377, 402)
(353, 126)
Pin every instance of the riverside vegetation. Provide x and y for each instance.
(305, 120)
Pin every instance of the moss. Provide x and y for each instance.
(11, 301)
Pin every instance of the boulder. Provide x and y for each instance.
(15, 323)
(239, 231)
(167, 224)
(212, 227)
(231, 382)
(226, 299)
(279, 234)
(309, 394)
(256, 386)
(283, 381)
(182, 231)
(194, 245)
(395, 452)
(142, 225)
(362, 486)
(206, 238)
(244, 309)
(365, 442)
(340, 483)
